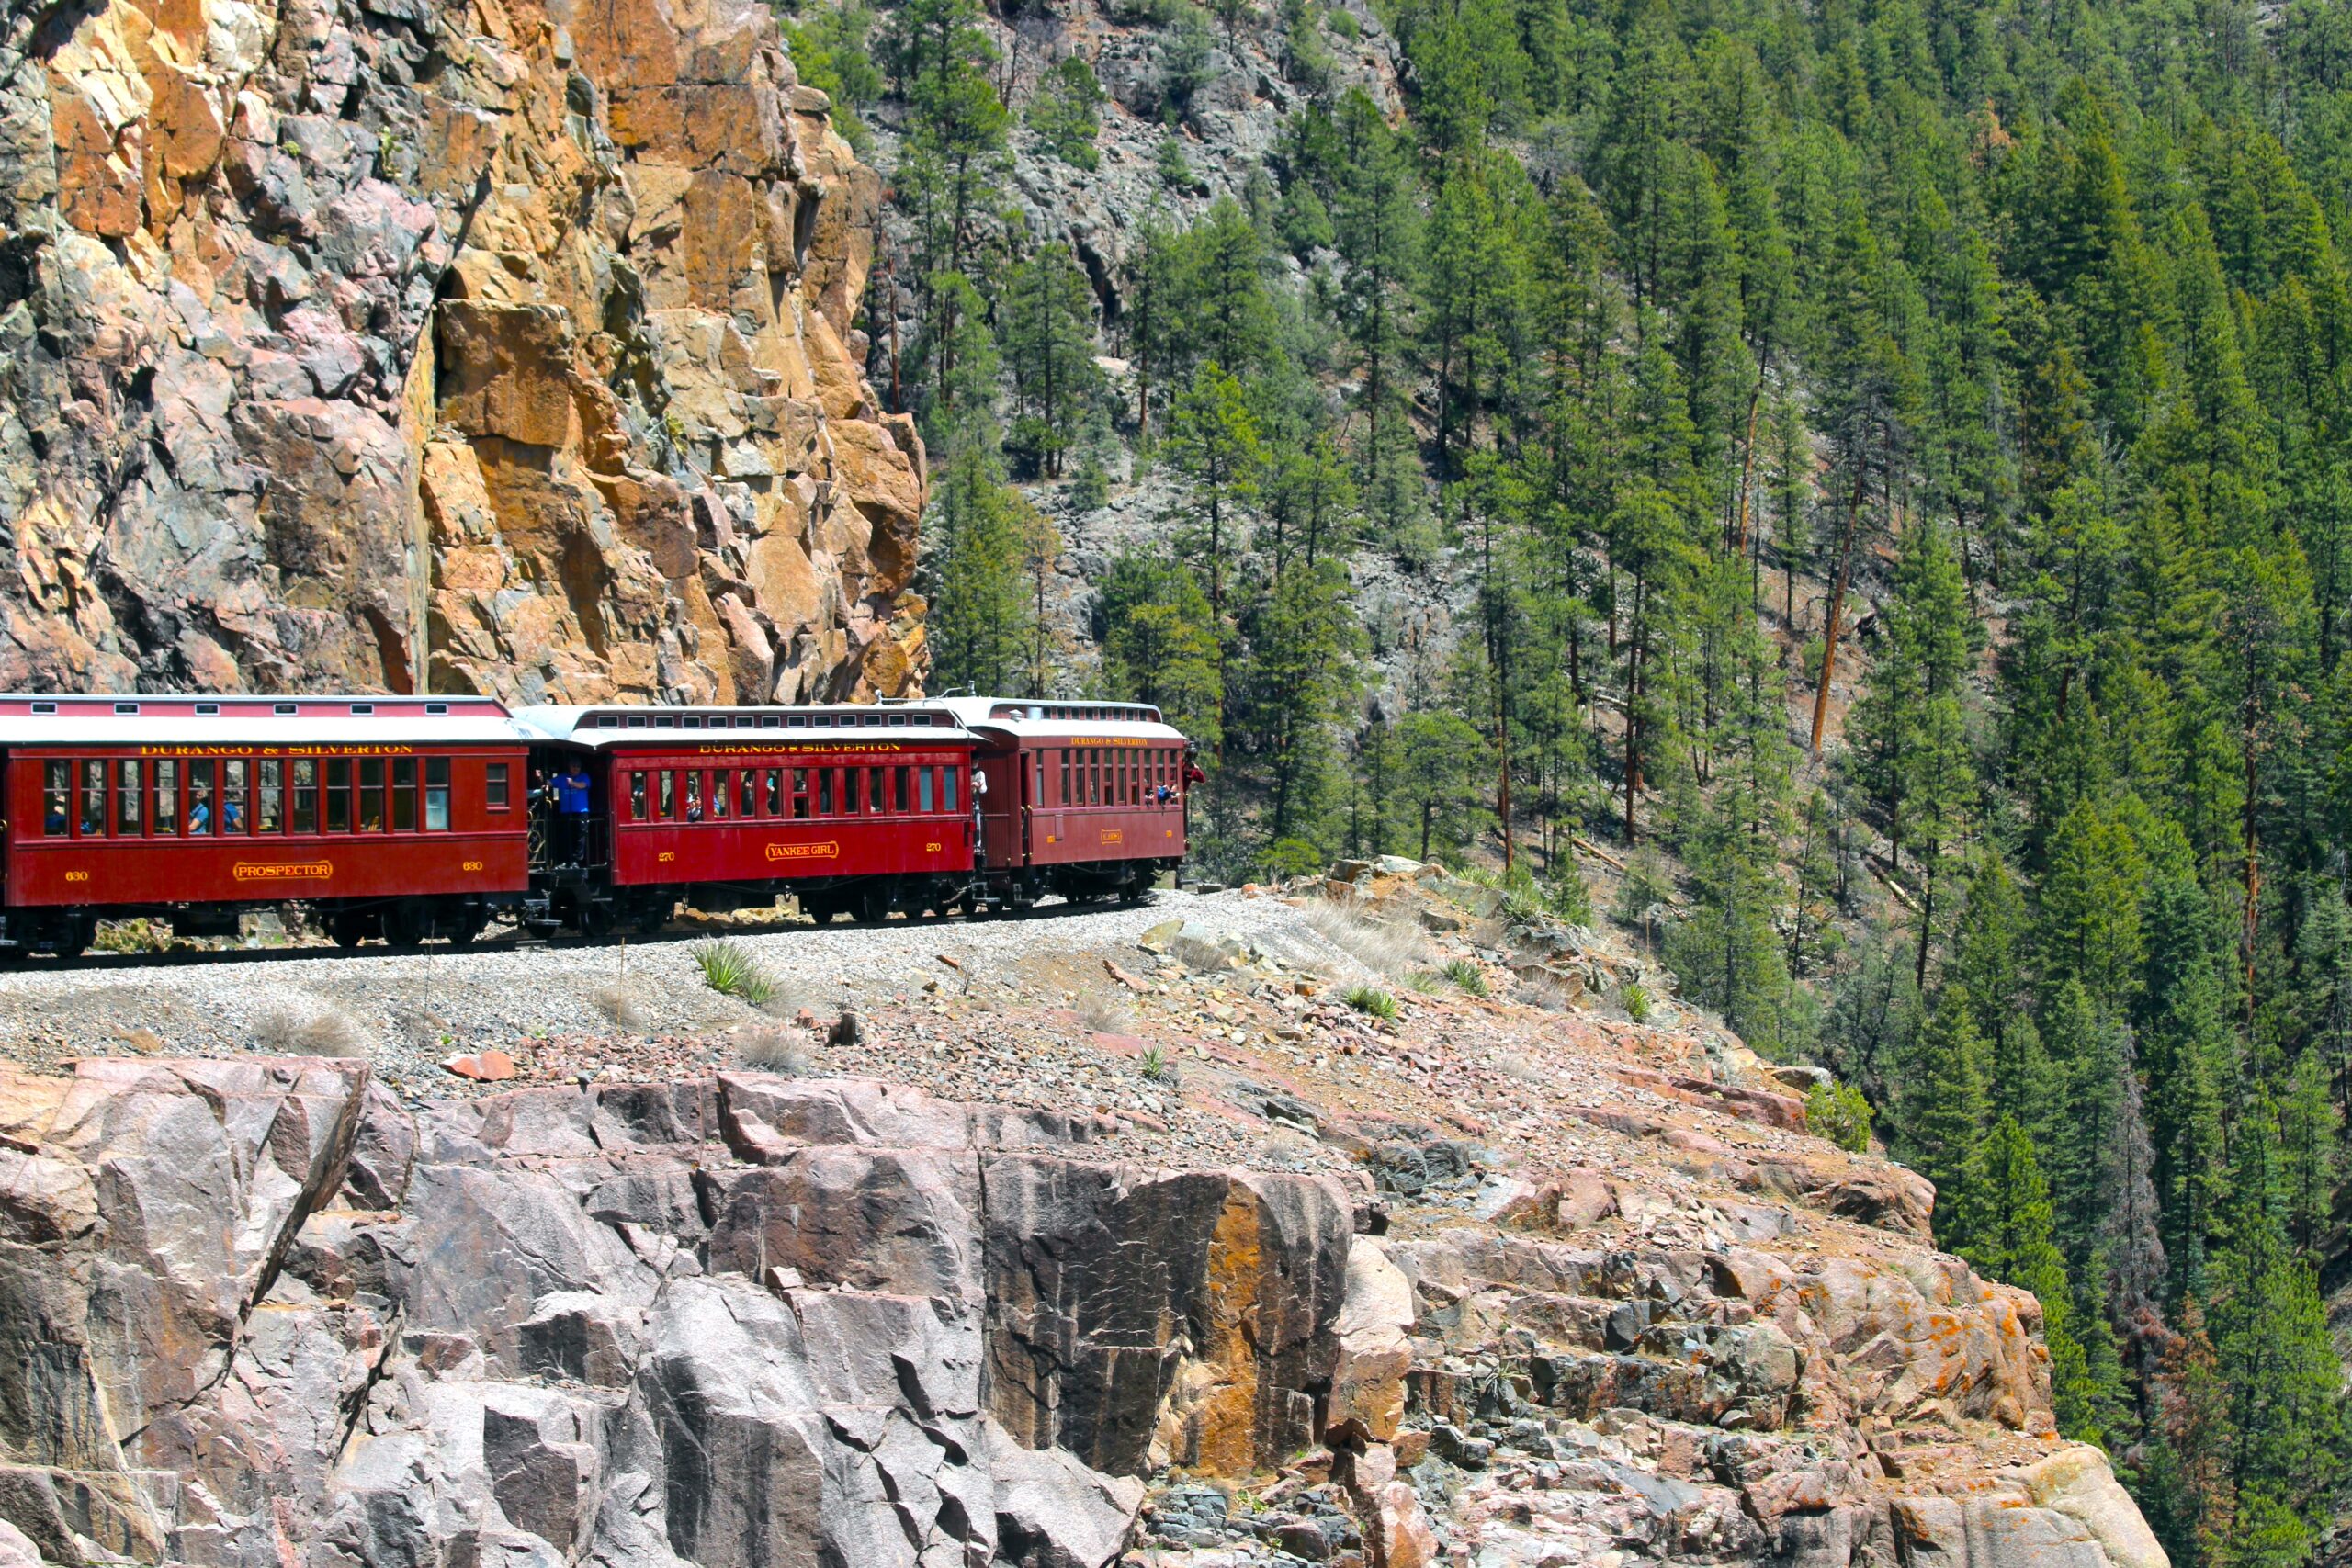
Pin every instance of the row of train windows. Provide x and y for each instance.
(701, 794)
(170, 798)
(1110, 775)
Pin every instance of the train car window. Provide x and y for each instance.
(747, 794)
(129, 798)
(772, 791)
(94, 799)
(233, 795)
(269, 791)
(693, 796)
(371, 794)
(637, 798)
(405, 794)
(1037, 789)
(947, 786)
(898, 784)
(494, 785)
(799, 792)
(824, 792)
(667, 782)
(719, 793)
(923, 789)
(1064, 798)
(200, 797)
(163, 805)
(57, 799)
(338, 811)
(436, 795)
(303, 811)
(878, 790)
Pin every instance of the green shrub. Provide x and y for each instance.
(1466, 976)
(730, 970)
(1155, 1066)
(1839, 1112)
(1637, 1000)
(1066, 112)
(1371, 1000)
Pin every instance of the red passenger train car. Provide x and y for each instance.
(1082, 799)
(856, 809)
(395, 817)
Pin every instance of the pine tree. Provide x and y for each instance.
(1048, 342)
(1213, 441)
(1944, 1114)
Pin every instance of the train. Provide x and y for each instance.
(407, 820)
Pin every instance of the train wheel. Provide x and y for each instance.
(1132, 890)
(347, 928)
(597, 920)
(405, 926)
(653, 919)
(873, 903)
(468, 927)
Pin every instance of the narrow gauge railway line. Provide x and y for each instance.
(407, 820)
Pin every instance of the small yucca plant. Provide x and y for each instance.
(731, 971)
(1372, 1002)
(1466, 976)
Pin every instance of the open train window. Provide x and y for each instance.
(668, 789)
(403, 794)
(57, 799)
(269, 794)
(747, 795)
(234, 777)
(799, 792)
(637, 798)
(94, 799)
(824, 792)
(371, 794)
(200, 808)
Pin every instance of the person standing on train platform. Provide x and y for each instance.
(572, 789)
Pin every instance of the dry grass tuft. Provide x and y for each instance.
(775, 1048)
(1511, 1065)
(287, 1029)
(1105, 1013)
(1384, 948)
(618, 1003)
(1283, 1149)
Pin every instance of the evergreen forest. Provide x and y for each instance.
(1894, 461)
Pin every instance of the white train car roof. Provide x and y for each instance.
(253, 723)
(845, 722)
(1040, 718)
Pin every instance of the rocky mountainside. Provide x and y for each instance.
(496, 346)
(1491, 1282)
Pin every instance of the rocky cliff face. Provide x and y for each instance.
(497, 346)
(256, 1312)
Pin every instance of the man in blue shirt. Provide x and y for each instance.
(572, 790)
